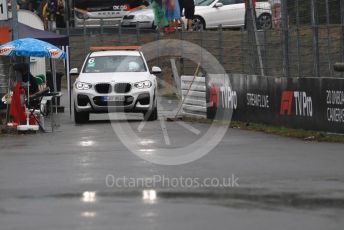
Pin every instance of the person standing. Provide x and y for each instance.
(276, 13)
(159, 14)
(25, 76)
(50, 15)
(60, 17)
(34, 5)
(24, 4)
(172, 14)
(189, 11)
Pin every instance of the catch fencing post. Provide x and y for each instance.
(101, 26)
(265, 57)
(137, 32)
(15, 30)
(158, 48)
(250, 39)
(328, 38)
(298, 38)
(68, 13)
(84, 37)
(314, 19)
(221, 58)
(342, 24)
(202, 46)
(285, 38)
(182, 53)
(254, 27)
(243, 51)
(119, 34)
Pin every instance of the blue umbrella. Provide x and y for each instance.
(30, 47)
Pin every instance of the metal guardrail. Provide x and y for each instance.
(195, 100)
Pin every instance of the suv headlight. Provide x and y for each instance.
(143, 84)
(81, 15)
(82, 86)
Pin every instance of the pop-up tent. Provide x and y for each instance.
(54, 39)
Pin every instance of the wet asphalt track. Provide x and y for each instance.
(58, 181)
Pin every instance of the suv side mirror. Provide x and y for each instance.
(218, 5)
(156, 70)
(74, 71)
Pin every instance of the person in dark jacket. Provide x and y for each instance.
(27, 77)
(189, 11)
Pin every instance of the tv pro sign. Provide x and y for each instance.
(221, 98)
(299, 100)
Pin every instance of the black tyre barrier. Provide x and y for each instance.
(305, 103)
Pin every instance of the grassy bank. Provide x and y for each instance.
(307, 135)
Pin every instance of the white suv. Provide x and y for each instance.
(228, 13)
(115, 80)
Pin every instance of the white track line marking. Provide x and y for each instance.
(141, 126)
(164, 131)
(189, 127)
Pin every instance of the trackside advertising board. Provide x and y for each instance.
(3, 10)
(305, 103)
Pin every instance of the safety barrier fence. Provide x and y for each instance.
(305, 41)
(194, 96)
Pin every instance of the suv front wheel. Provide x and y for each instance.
(151, 115)
(81, 117)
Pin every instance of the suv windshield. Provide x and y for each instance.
(203, 2)
(113, 64)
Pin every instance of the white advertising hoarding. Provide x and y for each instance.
(3, 10)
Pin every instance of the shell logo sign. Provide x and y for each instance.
(6, 51)
(55, 53)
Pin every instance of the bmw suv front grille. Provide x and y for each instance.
(103, 88)
(128, 17)
(122, 87)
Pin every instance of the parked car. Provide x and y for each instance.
(208, 14)
(95, 13)
(228, 13)
(115, 80)
(143, 18)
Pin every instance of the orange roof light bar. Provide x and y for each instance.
(105, 48)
